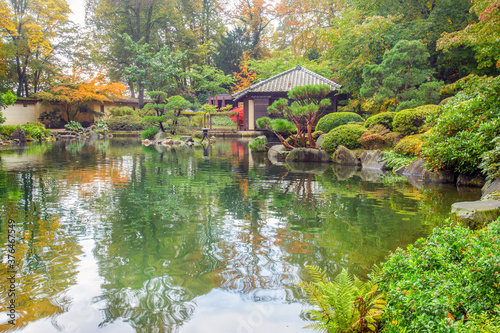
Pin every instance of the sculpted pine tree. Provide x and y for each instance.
(403, 71)
(308, 102)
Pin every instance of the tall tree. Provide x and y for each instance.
(483, 36)
(255, 16)
(31, 26)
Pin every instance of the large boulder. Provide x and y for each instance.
(277, 154)
(19, 135)
(258, 144)
(308, 155)
(415, 169)
(160, 136)
(344, 156)
(370, 159)
(474, 181)
(444, 177)
(491, 186)
(320, 140)
(475, 214)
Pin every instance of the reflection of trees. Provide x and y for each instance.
(46, 266)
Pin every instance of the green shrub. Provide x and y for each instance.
(317, 134)
(409, 146)
(74, 126)
(197, 120)
(198, 135)
(7, 130)
(372, 141)
(259, 144)
(396, 161)
(150, 133)
(409, 121)
(385, 119)
(279, 125)
(439, 282)
(221, 120)
(345, 135)
(336, 119)
(127, 123)
(490, 164)
(120, 111)
(101, 125)
(463, 128)
(36, 131)
(345, 304)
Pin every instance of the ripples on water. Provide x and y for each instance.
(116, 237)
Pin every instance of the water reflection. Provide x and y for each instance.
(169, 233)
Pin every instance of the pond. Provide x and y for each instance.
(112, 236)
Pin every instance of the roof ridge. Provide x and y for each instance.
(331, 83)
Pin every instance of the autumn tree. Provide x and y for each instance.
(31, 27)
(244, 77)
(308, 102)
(75, 93)
(483, 36)
(254, 16)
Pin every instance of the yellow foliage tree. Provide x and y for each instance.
(30, 26)
(245, 77)
(74, 92)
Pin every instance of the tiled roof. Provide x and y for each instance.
(297, 76)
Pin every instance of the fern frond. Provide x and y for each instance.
(317, 274)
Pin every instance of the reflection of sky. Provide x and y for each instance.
(220, 311)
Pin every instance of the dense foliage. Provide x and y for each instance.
(308, 102)
(410, 121)
(332, 120)
(345, 304)
(345, 135)
(463, 128)
(409, 146)
(445, 283)
(384, 118)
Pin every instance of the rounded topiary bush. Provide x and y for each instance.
(409, 121)
(345, 135)
(409, 146)
(385, 119)
(336, 119)
(150, 133)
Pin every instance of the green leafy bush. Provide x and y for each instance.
(198, 135)
(36, 131)
(439, 282)
(345, 304)
(120, 111)
(7, 130)
(396, 161)
(345, 135)
(463, 128)
(101, 125)
(74, 126)
(317, 134)
(150, 133)
(372, 141)
(409, 121)
(127, 123)
(336, 119)
(197, 120)
(490, 164)
(221, 120)
(279, 125)
(385, 119)
(259, 144)
(409, 146)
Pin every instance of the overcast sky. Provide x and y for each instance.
(78, 8)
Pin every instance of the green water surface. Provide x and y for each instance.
(112, 236)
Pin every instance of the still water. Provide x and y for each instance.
(112, 236)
